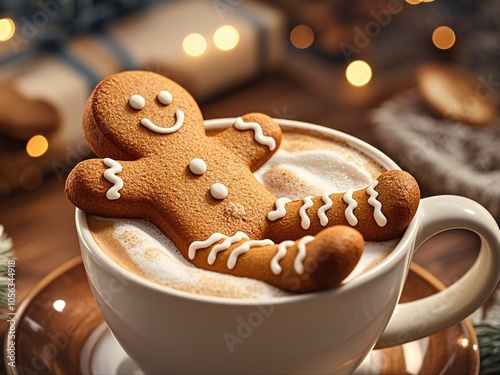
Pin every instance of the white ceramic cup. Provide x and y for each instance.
(169, 331)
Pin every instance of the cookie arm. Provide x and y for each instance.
(254, 137)
(380, 212)
(103, 187)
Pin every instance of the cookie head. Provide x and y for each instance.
(131, 115)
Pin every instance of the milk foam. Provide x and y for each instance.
(311, 170)
(161, 262)
(320, 171)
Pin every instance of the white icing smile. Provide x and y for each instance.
(179, 115)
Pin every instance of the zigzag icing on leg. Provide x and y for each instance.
(305, 221)
(280, 210)
(379, 217)
(328, 203)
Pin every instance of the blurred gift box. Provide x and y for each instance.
(46, 76)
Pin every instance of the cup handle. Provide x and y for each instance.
(421, 318)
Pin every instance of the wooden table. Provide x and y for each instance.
(41, 222)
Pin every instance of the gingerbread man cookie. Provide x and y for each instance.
(156, 163)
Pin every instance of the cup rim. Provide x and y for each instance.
(390, 261)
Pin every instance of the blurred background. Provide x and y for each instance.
(329, 62)
(349, 65)
(419, 79)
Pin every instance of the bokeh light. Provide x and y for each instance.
(37, 146)
(358, 73)
(7, 29)
(443, 37)
(194, 44)
(226, 38)
(302, 36)
(416, 2)
(464, 342)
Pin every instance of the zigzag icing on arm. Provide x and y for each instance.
(259, 136)
(328, 203)
(305, 221)
(280, 210)
(233, 258)
(349, 211)
(197, 245)
(298, 263)
(110, 175)
(379, 217)
(238, 236)
(280, 254)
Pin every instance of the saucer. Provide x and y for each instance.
(59, 330)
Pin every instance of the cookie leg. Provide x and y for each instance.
(311, 263)
(380, 212)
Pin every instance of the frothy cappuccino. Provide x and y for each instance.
(308, 163)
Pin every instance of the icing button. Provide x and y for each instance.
(197, 166)
(218, 191)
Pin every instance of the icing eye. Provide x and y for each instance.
(164, 97)
(137, 101)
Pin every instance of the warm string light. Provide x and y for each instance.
(32, 177)
(443, 37)
(302, 36)
(194, 44)
(37, 146)
(7, 29)
(416, 2)
(225, 38)
(358, 73)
